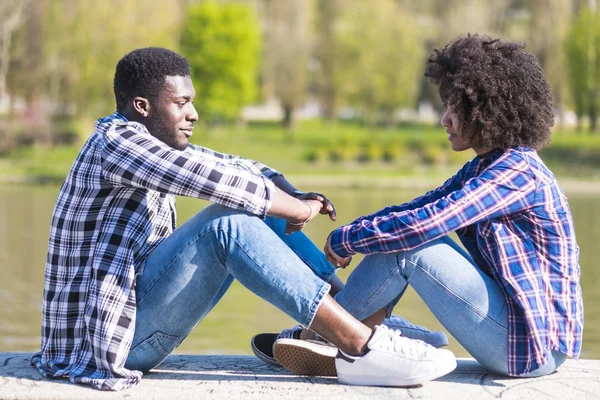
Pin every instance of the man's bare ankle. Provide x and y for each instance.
(307, 334)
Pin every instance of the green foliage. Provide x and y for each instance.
(222, 43)
(330, 149)
(378, 45)
(582, 46)
(83, 41)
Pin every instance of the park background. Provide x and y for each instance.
(330, 92)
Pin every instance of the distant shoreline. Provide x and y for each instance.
(569, 185)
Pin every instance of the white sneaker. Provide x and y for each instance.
(394, 360)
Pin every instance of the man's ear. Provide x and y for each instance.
(141, 105)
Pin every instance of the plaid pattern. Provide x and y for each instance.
(512, 217)
(116, 205)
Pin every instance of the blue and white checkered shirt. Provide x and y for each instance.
(116, 205)
(512, 217)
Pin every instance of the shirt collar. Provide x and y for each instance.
(114, 117)
(490, 155)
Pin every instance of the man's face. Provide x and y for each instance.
(172, 114)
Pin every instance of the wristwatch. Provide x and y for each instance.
(297, 193)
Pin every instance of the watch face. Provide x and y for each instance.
(297, 193)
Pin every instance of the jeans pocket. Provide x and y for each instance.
(151, 352)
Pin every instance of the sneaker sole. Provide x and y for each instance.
(304, 357)
(391, 381)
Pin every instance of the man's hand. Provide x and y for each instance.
(327, 208)
(308, 210)
(337, 261)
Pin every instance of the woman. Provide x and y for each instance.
(512, 299)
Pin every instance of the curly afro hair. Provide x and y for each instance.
(497, 89)
(142, 72)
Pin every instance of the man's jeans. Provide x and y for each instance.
(468, 303)
(188, 273)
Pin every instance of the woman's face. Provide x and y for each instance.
(456, 133)
(452, 124)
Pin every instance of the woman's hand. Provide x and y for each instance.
(337, 261)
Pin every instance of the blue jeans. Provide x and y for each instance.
(188, 273)
(468, 303)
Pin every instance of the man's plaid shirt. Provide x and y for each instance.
(512, 217)
(116, 205)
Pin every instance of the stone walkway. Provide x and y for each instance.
(246, 377)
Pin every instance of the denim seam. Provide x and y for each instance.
(485, 318)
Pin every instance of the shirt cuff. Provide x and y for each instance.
(269, 194)
(340, 241)
(271, 174)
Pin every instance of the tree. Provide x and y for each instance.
(328, 12)
(547, 31)
(582, 46)
(288, 44)
(222, 43)
(11, 20)
(382, 60)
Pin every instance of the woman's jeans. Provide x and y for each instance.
(188, 273)
(468, 303)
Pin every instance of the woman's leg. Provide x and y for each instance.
(464, 299)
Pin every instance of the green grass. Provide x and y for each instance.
(319, 148)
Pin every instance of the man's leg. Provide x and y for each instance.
(306, 250)
(186, 275)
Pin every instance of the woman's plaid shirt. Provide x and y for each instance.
(116, 205)
(512, 217)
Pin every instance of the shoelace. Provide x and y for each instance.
(289, 333)
(393, 340)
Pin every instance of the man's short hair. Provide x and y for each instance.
(142, 73)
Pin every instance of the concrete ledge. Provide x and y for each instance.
(198, 376)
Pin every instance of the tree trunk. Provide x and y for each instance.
(593, 114)
(288, 121)
(10, 21)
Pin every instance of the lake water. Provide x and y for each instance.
(25, 214)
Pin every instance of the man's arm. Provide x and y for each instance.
(277, 177)
(131, 157)
(255, 167)
(326, 205)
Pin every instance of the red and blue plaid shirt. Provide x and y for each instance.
(512, 217)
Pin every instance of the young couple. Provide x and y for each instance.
(124, 286)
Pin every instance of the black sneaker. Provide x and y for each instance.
(262, 344)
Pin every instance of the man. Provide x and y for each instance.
(123, 287)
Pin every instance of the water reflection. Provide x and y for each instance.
(24, 222)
